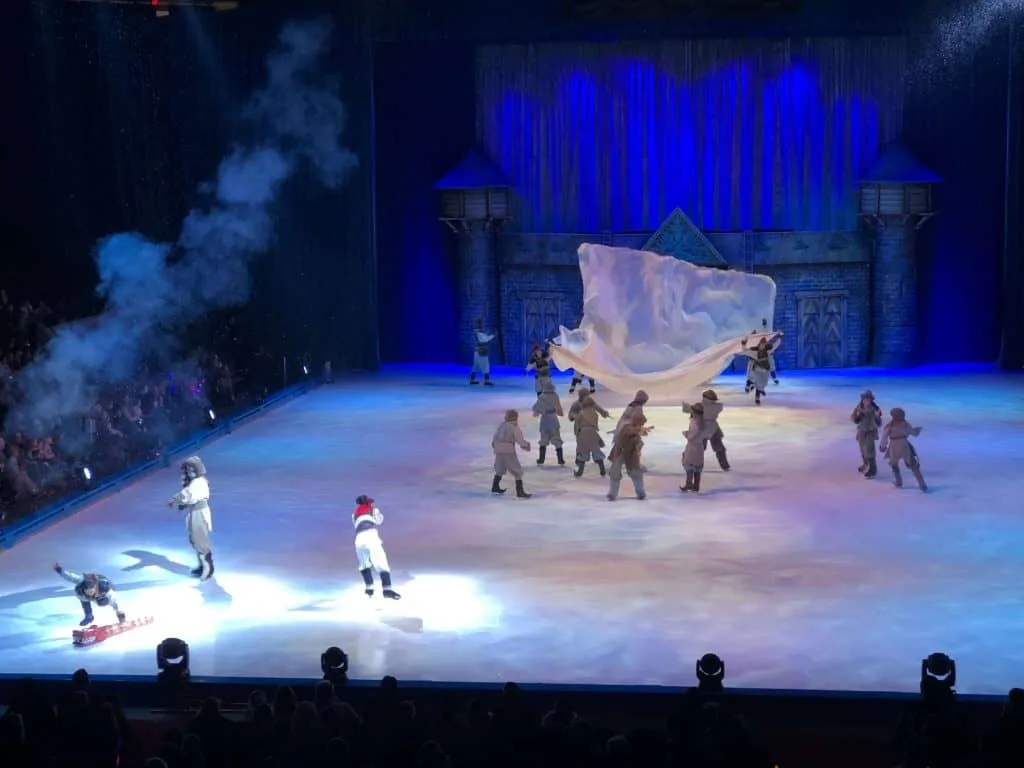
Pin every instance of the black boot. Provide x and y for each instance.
(748, 387)
(696, 482)
(757, 396)
(601, 468)
(121, 618)
(689, 482)
(208, 569)
(593, 386)
(198, 570)
(87, 610)
(579, 469)
(897, 477)
(775, 379)
(872, 469)
(367, 574)
(920, 479)
(496, 485)
(863, 468)
(723, 460)
(542, 452)
(520, 491)
(472, 379)
(487, 380)
(560, 456)
(385, 582)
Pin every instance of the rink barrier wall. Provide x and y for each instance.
(67, 506)
(652, 704)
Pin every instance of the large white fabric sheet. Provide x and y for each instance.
(656, 323)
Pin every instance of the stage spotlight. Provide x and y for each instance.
(710, 673)
(172, 660)
(87, 475)
(305, 370)
(211, 417)
(334, 665)
(938, 669)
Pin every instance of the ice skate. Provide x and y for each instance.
(198, 570)
(560, 456)
(87, 620)
(521, 492)
(723, 460)
(580, 466)
(121, 618)
(897, 477)
(542, 453)
(862, 468)
(473, 380)
(601, 468)
(696, 482)
(496, 485)
(390, 594)
(487, 380)
(920, 479)
(689, 483)
(207, 571)
(872, 469)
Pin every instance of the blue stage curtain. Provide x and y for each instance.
(740, 134)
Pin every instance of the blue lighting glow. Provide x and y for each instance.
(738, 147)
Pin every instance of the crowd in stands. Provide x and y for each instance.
(391, 730)
(127, 422)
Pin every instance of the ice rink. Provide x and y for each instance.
(796, 570)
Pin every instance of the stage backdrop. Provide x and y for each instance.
(740, 134)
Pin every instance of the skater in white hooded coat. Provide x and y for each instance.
(194, 500)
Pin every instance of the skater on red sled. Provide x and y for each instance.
(91, 588)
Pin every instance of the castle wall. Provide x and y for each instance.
(823, 303)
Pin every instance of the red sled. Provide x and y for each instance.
(93, 634)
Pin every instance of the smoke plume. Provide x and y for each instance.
(151, 290)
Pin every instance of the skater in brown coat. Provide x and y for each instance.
(896, 446)
(626, 454)
(585, 415)
(868, 418)
(549, 407)
(712, 409)
(697, 435)
(506, 438)
(636, 406)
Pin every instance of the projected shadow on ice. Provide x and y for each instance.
(211, 591)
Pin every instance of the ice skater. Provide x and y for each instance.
(868, 418)
(91, 588)
(626, 454)
(194, 500)
(549, 407)
(585, 415)
(771, 362)
(896, 446)
(506, 438)
(481, 354)
(761, 363)
(370, 553)
(577, 380)
(711, 409)
(635, 407)
(540, 364)
(696, 435)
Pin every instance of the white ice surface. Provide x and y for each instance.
(795, 569)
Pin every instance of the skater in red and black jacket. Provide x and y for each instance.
(91, 588)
